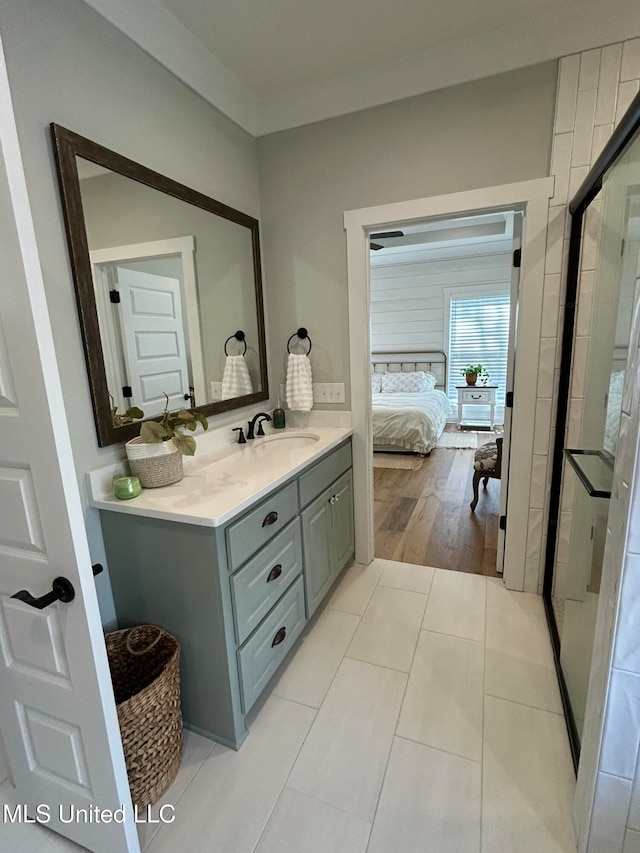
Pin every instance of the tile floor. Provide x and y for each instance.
(419, 714)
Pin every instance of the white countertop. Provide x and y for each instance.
(218, 485)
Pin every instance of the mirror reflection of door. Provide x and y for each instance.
(153, 337)
(151, 340)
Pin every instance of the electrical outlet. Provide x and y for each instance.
(328, 392)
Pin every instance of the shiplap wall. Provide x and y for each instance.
(407, 289)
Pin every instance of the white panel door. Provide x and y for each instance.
(154, 341)
(57, 711)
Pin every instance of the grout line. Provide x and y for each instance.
(440, 749)
(484, 688)
(524, 705)
(395, 729)
(315, 708)
(156, 831)
(394, 735)
(453, 636)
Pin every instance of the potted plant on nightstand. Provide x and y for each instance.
(155, 456)
(471, 373)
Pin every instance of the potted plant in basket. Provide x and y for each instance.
(156, 455)
(471, 373)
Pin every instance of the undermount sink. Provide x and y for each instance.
(289, 442)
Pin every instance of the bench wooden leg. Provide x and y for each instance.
(477, 476)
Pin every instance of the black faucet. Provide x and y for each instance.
(259, 418)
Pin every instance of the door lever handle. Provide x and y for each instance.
(62, 591)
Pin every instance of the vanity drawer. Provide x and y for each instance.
(261, 524)
(259, 584)
(324, 473)
(261, 655)
(476, 395)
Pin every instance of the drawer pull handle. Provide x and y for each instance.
(476, 396)
(270, 519)
(275, 572)
(279, 637)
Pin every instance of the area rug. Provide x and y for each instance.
(397, 460)
(458, 440)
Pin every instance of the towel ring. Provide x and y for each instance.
(303, 335)
(239, 336)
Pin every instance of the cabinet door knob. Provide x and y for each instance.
(275, 572)
(279, 637)
(337, 498)
(332, 499)
(271, 518)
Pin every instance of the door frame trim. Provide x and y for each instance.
(532, 197)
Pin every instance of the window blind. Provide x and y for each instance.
(479, 334)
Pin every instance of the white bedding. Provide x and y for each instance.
(410, 421)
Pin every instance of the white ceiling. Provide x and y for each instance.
(274, 46)
(275, 64)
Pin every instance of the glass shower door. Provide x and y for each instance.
(607, 290)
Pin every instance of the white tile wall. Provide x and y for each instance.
(630, 69)
(583, 130)
(626, 93)
(622, 725)
(610, 813)
(594, 90)
(567, 93)
(608, 84)
(632, 842)
(550, 306)
(589, 69)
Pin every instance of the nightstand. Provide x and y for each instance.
(477, 395)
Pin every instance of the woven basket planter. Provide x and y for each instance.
(155, 464)
(145, 671)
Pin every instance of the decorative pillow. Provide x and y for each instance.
(376, 383)
(430, 381)
(408, 383)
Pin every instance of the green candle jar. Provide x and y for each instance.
(125, 487)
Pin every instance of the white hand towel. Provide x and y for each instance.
(236, 381)
(299, 383)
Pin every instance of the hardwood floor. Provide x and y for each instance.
(423, 516)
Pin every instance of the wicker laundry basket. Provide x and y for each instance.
(145, 670)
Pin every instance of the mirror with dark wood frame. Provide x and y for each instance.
(168, 288)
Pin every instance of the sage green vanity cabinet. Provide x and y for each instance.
(236, 596)
(327, 532)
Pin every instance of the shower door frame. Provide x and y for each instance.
(622, 136)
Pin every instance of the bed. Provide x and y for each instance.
(409, 412)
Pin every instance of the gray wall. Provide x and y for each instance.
(489, 132)
(66, 64)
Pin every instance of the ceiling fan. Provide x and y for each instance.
(382, 235)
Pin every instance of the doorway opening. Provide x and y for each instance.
(443, 293)
(531, 198)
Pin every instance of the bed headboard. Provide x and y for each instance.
(433, 361)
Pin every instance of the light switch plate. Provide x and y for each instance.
(323, 392)
(328, 392)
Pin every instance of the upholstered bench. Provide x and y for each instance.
(487, 462)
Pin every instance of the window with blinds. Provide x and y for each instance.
(479, 334)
